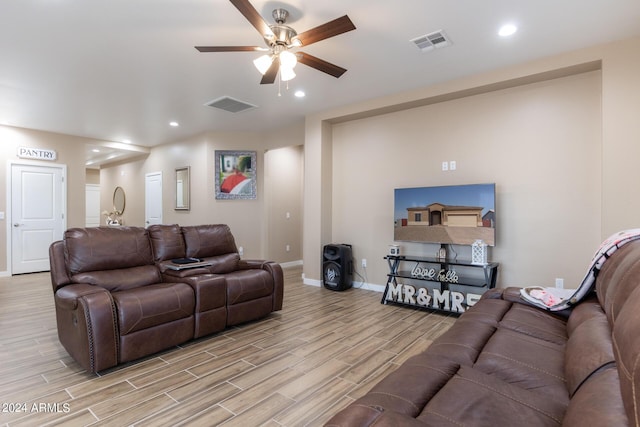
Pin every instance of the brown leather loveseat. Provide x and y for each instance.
(116, 299)
(507, 363)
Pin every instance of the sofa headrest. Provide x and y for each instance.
(618, 290)
(204, 241)
(167, 242)
(619, 278)
(106, 248)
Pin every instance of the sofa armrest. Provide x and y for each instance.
(58, 267)
(275, 270)
(87, 325)
(508, 294)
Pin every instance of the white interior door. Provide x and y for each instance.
(153, 198)
(37, 215)
(92, 205)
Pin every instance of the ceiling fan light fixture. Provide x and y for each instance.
(286, 73)
(296, 42)
(263, 63)
(288, 60)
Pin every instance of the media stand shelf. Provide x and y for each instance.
(437, 284)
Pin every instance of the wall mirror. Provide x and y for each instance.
(118, 201)
(182, 188)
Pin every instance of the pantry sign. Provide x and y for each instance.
(37, 153)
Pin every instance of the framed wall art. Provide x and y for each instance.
(235, 175)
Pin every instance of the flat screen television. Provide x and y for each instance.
(451, 214)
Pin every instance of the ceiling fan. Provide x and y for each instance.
(280, 38)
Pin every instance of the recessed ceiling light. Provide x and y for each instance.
(300, 94)
(507, 30)
(95, 150)
(174, 124)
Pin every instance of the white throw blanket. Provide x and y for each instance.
(554, 299)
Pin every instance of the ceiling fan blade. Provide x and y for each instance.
(230, 48)
(270, 76)
(324, 31)
(320, 64)
(253, 17)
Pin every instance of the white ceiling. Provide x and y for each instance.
(123, 69)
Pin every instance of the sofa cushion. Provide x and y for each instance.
(473, 398)
(463, 341)
(154, 305)
(406, 393)
(532, 321)
(528, 362)
(106, 248)
(167, 242)
(120, 279)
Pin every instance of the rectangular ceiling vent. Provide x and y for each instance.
(231, 105)
(435, 40)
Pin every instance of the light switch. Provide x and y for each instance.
(1, 215)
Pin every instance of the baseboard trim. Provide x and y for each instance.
(291, 264)
(357, 285)
(369, 286)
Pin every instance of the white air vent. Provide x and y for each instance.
(428, 42)
(229, 104)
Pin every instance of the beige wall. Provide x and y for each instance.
(621, 136)
(283, 179)
(249, 220)
(92, 176)
(560, 151)
(539, 143)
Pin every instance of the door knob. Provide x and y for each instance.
(17, 225)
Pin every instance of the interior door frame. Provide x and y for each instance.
(146, 196)
(9, 212)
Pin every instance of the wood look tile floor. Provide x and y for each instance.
(297, 367)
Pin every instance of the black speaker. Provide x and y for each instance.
(337, 267)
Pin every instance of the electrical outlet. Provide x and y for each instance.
(559, 283)
(364, 263)
(445, 166)
(287, 248)
(453, 165)
(240, 250)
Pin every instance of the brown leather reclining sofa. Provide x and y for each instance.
(117, 299)
(506, 363)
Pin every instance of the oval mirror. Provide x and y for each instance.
(118, 200)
